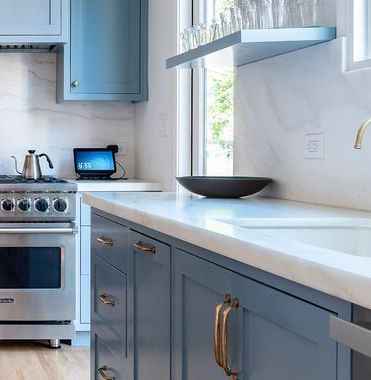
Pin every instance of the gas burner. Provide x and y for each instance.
(18, 179)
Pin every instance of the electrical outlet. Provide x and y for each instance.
(314, 145)
(123, 148)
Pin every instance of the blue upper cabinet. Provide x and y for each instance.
(106, 58)
(34, 21)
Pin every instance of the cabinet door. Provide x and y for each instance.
(105, 47)
(149, 300)
(32, 18)
(271, 335)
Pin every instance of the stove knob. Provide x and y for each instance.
(42, 205)
(60, 204)
(7, 204)
(24, 205)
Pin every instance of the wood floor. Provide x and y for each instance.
(35, 361)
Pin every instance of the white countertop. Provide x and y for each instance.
(116, 185)
(202, 222)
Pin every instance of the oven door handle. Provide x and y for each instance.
(41, 230)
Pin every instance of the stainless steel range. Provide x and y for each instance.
(37, 259)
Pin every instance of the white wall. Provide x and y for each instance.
(279, 100)
(31, 118)
(155, 131)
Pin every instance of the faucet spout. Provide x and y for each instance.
(361, 133)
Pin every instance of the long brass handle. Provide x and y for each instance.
(144, 247)
(224, 350)
(105, 241)
(218, 311)
(103, 371)
(107, 300)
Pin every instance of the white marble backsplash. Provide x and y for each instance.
(30, 118)
(279, 100)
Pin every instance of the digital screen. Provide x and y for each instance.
(94, 160)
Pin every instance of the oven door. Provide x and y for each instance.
(37, 273)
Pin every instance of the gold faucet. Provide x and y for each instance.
(361, 133)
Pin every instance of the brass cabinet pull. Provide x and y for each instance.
(103, 371)
(224, 332)
(107, 300)
(105, 241)
(144, 247)
(218, 311)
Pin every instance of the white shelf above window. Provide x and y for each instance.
(248, 46)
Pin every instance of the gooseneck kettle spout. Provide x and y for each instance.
(16, 164)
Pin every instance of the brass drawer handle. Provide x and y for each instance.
(218, 311)
(144, 247)
(224, 350)
(107, 300)
(105, 241)
(103, 371)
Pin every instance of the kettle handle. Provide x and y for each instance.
(16, 164)
(48, 159)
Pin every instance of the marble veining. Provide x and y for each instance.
(279, 100)
(31, 118)
(204, 223)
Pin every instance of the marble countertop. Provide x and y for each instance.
(207, 223)
(116, 185)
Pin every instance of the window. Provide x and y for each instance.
(213, 91)
(359, 32)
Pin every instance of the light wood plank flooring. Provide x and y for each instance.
(35, 361)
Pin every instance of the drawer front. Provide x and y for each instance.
(105, 361)
(108, 240)
(108, 304)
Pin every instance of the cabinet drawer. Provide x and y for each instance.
(105, 361)
(109, 305)
(108, 240)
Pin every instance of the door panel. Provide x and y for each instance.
(105, 48)
(272, 335)
(149, 284)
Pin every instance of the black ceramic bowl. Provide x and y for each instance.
(224, 187)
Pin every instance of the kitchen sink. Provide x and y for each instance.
(349, 236)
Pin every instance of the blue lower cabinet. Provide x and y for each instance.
(193, 315)
(228, 326)
(149, 306)
(106, 58)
